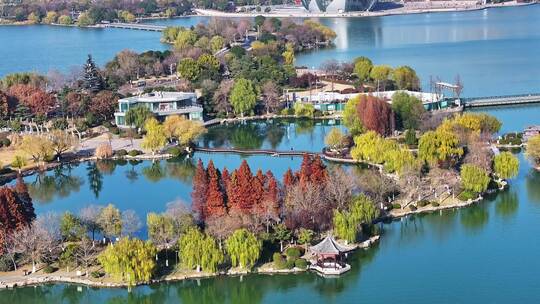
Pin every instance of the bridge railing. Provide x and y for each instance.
(469, 99)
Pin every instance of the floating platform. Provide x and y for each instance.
(331, 270)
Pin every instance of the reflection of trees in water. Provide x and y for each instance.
(508, 204)
(155, 172)
(60, 184)
(36, 294)
(95, 178)
(247, 136)
(304, 126)
(181, 168)
(474, 217)
(275, 133)
(442, 224)
(251, 289)
(132, 175)
(106, 166)
(252, 134)
(532, 183)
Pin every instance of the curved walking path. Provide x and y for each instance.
(256, 151)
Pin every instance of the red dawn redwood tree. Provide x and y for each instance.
(288, 179)
(319, 175)
(376, 115)
(241, 198)
(199, 194)
(14, 213)
(215, 203)
(22, 192)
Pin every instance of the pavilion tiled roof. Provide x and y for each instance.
(330, 246)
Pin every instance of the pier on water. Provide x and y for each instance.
(501, 100)
(134, 26)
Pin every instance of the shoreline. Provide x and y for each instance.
(360, 14)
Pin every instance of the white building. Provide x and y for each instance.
(161, 104)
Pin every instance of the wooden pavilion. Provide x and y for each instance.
(330, 257)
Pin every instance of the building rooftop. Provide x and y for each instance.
(159, 97)
(330, 246)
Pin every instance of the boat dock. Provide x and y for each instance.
(501, 100)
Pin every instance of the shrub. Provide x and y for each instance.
(293, 253)
(396, 206)
(120, 153)
(96, 274)
(114, 130)
(134, 153)
(60, 124)
(103, 151)
(467, 195)
(5, 142)
(423, 203)
(49, 269)
(287, 111)
(279, 261)
(175, 151)
(300, 263)
(435, 204)
(412, 207)
(289, 264)
(5, 264)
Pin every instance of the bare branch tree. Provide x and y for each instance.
(131, 223)
(89, 216)
(85, 254)
(340, 187)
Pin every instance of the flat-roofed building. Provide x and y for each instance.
(161, 104)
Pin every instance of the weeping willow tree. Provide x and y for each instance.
(347, 222)
(198, 250)
(243, 248)
(129, 260)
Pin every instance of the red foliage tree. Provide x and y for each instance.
(104, 104)
(304, 175)
(241, 196)
(22, 192)
(319, 174)
(5, 108)
(376, 115)
(226, 184)
(257, 190)
(289, 179)
(76, 103)
(37, 100)
(271, 198)
(14, 212)
(199, 194)
(215, 203)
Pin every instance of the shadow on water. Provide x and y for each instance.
(532, 183)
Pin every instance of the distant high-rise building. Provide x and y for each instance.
(337, 6)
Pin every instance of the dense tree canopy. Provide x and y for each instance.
(408, 109)
(474, 178)
(243, 96)
(506, 165)
(130, 260)
(243, 248)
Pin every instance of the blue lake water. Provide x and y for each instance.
(483, 254)
(494, 50)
